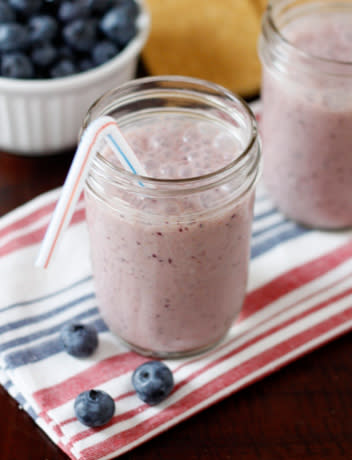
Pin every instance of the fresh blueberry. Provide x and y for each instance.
(153, 382)
(63, 68)
(85, 64)
(16, 65)
(50, 7)
(26, 7)
(130, 6)
(79, 340)
(94, 408)
(70, 10)
(44, 54)
(125, 35)
(42, 28)
(65, 52)
(13, 37)
(118, 26)
(6, 13)
(80, 34)
(103, 52)
(100, 6)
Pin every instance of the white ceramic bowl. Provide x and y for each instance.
(42, 117)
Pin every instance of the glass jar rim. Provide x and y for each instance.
(269, 20)
(233, 167)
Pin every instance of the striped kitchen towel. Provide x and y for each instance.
(300, 297)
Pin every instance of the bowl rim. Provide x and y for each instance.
(43, 85)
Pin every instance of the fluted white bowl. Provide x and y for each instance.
(42, 117)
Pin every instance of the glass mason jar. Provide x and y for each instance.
(170, 256)
(306, 52)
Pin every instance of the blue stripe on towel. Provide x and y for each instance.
(48, 296)
(272, 241)
(7, 385)
(20, 399)
(271, 227)
(30, 411)
(268, 213)
(49, 314)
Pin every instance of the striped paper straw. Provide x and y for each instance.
(103, 128)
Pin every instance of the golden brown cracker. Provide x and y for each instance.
(211, 39)
(260, 6)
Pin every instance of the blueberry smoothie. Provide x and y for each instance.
(307, 117)
(171, 270)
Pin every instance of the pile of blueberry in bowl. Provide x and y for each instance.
(56, 58)
(57, 38)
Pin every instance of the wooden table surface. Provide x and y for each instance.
(302, 412)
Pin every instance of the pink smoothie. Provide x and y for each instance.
(307, 126)
(171, 275)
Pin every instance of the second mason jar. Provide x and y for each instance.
(170, 249)
(306, 51)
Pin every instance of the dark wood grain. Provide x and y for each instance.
(302, 412)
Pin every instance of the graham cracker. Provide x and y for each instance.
(211, 39)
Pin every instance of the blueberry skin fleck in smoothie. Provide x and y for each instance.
(307, 122)
(176, 284)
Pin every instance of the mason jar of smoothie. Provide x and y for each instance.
(306, 52)
(170, 249)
